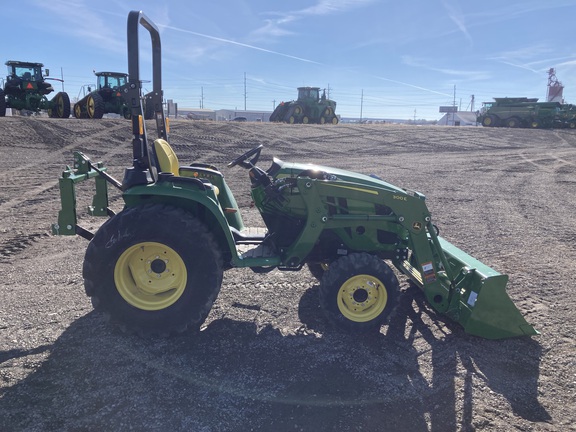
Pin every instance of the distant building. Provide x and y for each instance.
(223, 114)
(196, 114)
(227, 115)
(458, 118)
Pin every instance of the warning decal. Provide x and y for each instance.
(428, 272)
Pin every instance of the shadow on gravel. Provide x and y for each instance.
(508, 367)
(235, 376)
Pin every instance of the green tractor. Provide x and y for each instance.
(107, 98)
(156, 266)
(309, 108)
(26, 89)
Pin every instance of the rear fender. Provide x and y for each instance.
(202, 203)
(224, 194)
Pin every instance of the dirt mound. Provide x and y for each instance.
(266, 360)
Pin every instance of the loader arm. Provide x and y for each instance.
(453, 282)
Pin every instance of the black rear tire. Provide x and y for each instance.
(60, 106)
(513, 122)
(2, 104)
(153, 270)
(359, 292)
(95, 106)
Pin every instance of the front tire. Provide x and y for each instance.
(79, 113)
(358, 292)
(153, 270)
(317, 269)
(294, 114)
(490, 121)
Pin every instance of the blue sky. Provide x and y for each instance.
(378, 58)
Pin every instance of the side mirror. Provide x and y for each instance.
(47, 72)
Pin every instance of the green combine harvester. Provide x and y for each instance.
(156, 267)
(523, 112)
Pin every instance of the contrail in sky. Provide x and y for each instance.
(228, 41)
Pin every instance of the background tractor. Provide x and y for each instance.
(156, 266)
(26, 89)
(309, 108)
(107, 98)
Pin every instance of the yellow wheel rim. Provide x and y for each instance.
(90, 106)
(362, 298)
(297, 110)
(60, 106)
(305, 120)
(77, 111)
(150, 276)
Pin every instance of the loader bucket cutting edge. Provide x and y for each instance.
(494, 315)
(485, 309)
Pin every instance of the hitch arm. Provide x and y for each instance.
(83, 170)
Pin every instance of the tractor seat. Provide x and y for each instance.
(168, 161)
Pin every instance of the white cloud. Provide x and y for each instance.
(81, 21)
(275, 27)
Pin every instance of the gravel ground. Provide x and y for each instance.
(266, 360)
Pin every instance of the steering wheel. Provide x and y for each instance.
(241, 160)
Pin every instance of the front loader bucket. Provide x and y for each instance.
(480, 302)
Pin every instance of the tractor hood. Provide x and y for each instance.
(280, 169)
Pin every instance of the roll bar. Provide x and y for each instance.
(140, 173)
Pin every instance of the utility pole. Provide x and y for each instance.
(361, 103)
(454, 107)
(273, 104)
(201, 97)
